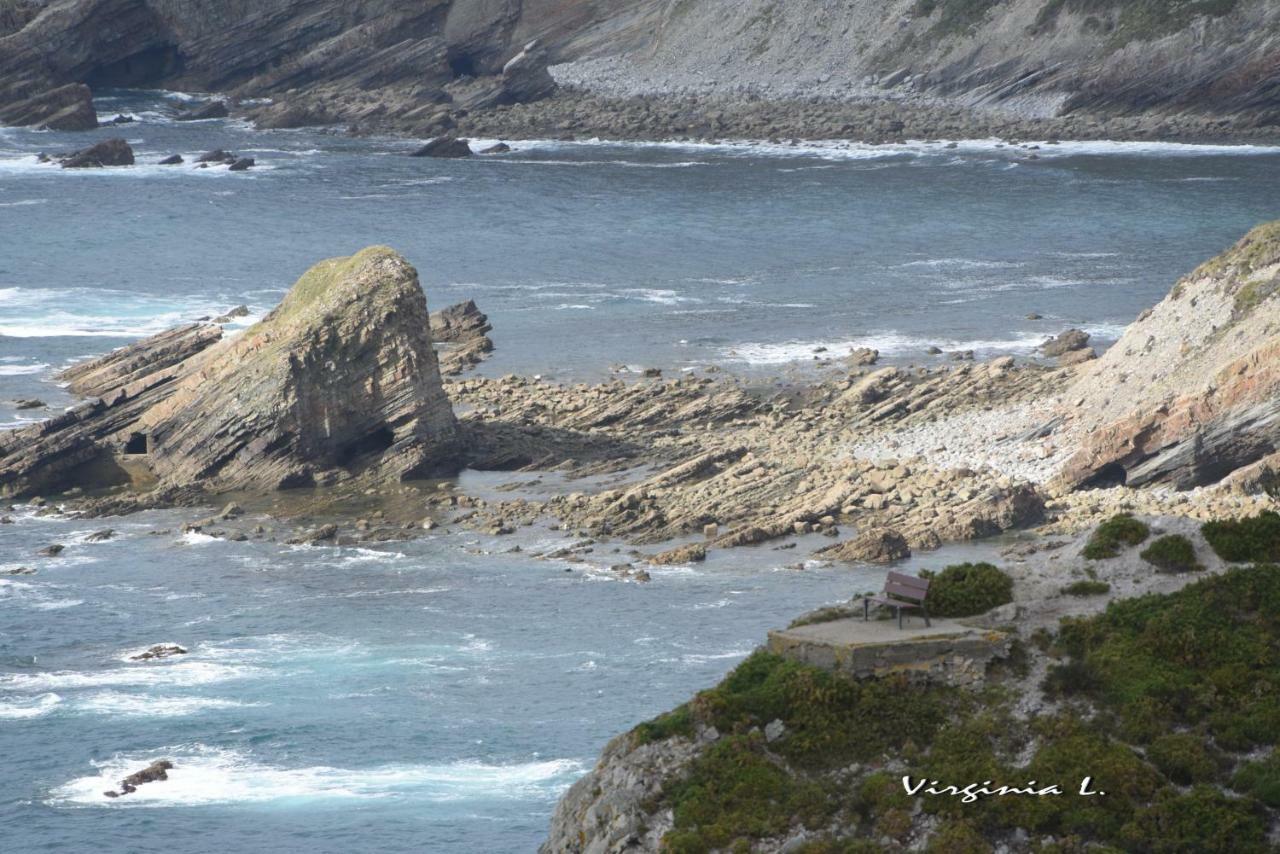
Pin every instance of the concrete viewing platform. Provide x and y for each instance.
(947, 652)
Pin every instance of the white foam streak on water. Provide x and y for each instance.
(203, 775)
(184, 673)
(149, 705)
(888, 343)
(28, 707)
(20, 370)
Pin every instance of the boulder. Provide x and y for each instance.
(109, 152)
(211, 110)
(171, 160)
(51, 550)
(241, 164)
(217, 155)
(497, 148)
(444, 146)
(879, 545)
(100, 536)
(1072, 339)
(1076, 357)
(29, 403)
(157, 770)
(160, 650)
(863, 356)
(692, 553)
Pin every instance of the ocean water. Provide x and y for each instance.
(439, 695)
(434, 695)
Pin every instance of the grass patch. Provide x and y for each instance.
(1087, 588)
(956, 16)
(1172, 553)
(966, 589)
(825, 615)
(1113, 535)
(678, 721)
(1255, 539)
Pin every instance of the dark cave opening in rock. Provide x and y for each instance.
(1112, 474)
(146, 67)
(462, 65)
(137, 444)
(374, 442)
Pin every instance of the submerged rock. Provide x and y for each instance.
(29, 403)
(217, 155)
(100, 536)
(211, 110)
(171, 160)
(109, 152)
(160, 650)
(241, 164)
(1072, 339)
(157, 770)
(497, 148)
(52, 550)
(444, 146)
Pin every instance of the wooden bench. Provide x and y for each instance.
(901, 592)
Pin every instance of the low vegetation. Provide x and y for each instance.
(1113, 535)
(966, 589)
(1087, 587)
(1169, 703)
(1172, 553)
(1255, 539)
(1124, 21)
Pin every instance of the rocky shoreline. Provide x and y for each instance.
(340, 393)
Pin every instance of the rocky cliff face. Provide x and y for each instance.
(420, 67)
(1191, 392)
(340, 380)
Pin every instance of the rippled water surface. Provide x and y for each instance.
(438, 695)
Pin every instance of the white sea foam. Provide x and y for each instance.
(21, 370)
(117, 703)
(205, 775)
(24, 203)
(183, 673)
(28, 707)
(888, 343)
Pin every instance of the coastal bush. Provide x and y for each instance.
(958, 837)
(735, 791)
(1087, 588)
(1260, 779)
(1255, 539)
(678, 721)
(1203, 656)
(1172, 553)
(965, 589)
(829, 719)
(1112, 535)
(1136, 20)
(1185, 758)
(1204, 819)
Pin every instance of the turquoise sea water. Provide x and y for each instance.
(438, 695)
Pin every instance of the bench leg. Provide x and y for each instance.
(899, 619)
(866, 609)
(927, 624)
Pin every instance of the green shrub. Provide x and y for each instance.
(678, 721)
(965, 589)
(735, 790)
(1203, 656)
(1172, 553)
(1256, 539)
(1114, 534)
(1260, 779)
(1087, 588)
(958, 837)
(1184, 758)
(1202, 820)
(829, 719)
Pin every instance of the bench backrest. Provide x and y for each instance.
(908, 587)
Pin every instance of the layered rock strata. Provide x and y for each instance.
(340, 379)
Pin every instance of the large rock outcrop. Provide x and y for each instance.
(339, 380)
(1191, 392)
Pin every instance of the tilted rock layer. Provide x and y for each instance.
(340, 379)
(1191, 392)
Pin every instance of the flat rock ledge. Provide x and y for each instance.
(947, 653)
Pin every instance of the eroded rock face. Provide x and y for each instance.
(1191, 392)
(341, 373)
(461, 335)
(881, 545)
(339, 380)
(109, 152)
